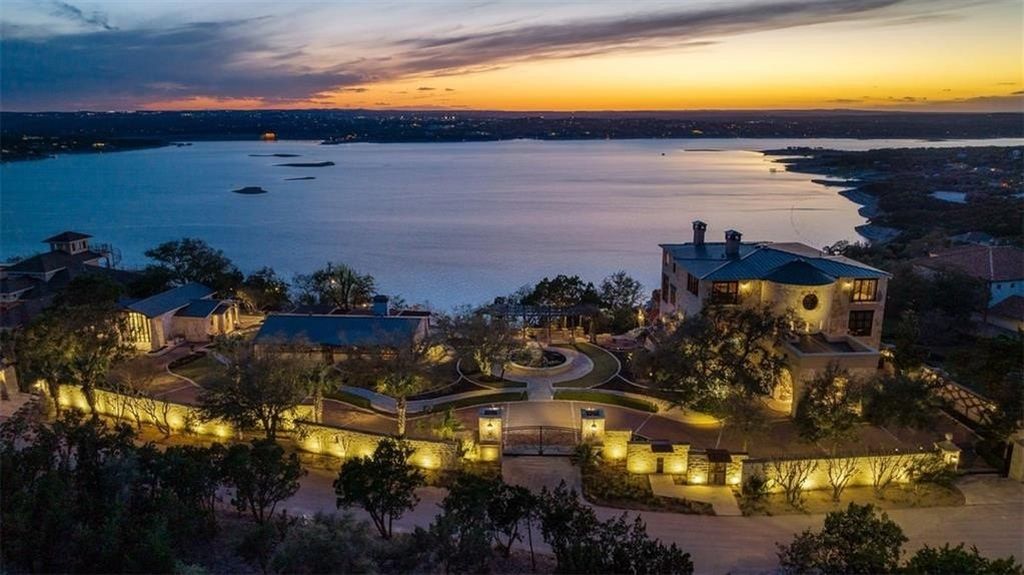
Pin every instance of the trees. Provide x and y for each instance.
(261, 477)
(957, 560)
(72, 345)
(791, 476)
(259, 391)
(860, 540)
(855, 540)
(995, 368)
(263, 290)
(383, 484)
(621, 294)
(562, 291)
(621, 291)
(77, 496)
(399, 367)
(478, 512)
(486, 341)
(583, 544)
(826, 411)
(325, 544)
(193, 260)
(902, 400)
(337, 285)
(463, 530)
(723, 350)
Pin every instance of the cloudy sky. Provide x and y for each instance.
(581, 55)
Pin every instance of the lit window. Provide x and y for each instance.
(725, 292)
(864, 290)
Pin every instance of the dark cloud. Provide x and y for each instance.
(75, 14)
(1017, 93)
(425, 89)
(449, 89)
(689, 28)
(357, 89)
(844, 100)
(111, 68)
(123, 68)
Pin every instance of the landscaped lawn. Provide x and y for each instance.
(609, 398)
(605, 366)
(350, 398)
(820, 500)
(204, 371)
(502, 397)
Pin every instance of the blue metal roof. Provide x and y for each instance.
(760, 261)
(198, 308)
(799, 273)
(338, 330)
(170, 300)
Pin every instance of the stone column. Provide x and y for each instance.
(592, 425)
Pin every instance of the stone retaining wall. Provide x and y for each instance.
(307, 436)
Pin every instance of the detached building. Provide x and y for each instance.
(1000, 267)
(838, 303)
(29, 286)
(186, 313)
(335, 334)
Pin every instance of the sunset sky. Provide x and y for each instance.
(701, 54)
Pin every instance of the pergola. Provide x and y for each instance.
(540, 314)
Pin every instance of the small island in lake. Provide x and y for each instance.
(275, 155)
(250, 190)
(306, 164)
(300, 178)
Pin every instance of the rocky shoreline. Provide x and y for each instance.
(853, 184)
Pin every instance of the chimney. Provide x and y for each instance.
(699, 228)
(732, 243)
(381, 305)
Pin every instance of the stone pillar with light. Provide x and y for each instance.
(490, 425)
(592, 425)
(949, 451)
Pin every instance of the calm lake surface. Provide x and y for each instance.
(445, 224)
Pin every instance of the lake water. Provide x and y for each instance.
(446, 224)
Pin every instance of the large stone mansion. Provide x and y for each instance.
(837, 303)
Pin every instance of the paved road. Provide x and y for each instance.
(992, 519)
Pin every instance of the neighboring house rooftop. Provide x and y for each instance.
(990, 263)
(338, 330)
(1011, 307)
(16, 285)
(170, 300)
(68, 236)
(791, 263)
(51, 262)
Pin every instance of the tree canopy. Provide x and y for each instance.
(710, 356)
(258, 391)
(384, 484)
(336, 284)
(193, 260)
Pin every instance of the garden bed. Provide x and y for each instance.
(820, 500)
(606, 398)
(610, 485)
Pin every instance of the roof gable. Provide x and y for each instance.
(760, 261)
(170, 300)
